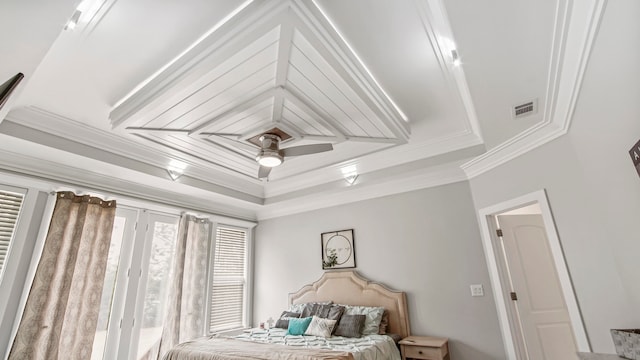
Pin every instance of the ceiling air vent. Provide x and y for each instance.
(525, 109)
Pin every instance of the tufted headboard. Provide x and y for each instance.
(350, 288)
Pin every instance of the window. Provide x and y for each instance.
(228, 292)
(10, 204)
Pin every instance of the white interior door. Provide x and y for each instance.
(541, 308)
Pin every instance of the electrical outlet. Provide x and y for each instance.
(477, 290)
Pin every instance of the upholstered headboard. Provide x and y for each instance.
(350, 288)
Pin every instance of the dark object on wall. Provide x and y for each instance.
(338, 251)
(635, 156)
(8, 87)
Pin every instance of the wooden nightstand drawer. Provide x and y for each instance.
(424, 348)
(423, 352)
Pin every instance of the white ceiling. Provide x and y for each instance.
(140, 86)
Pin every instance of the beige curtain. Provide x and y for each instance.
(185, 315)
(61, 313)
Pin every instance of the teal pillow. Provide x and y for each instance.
(298, 326)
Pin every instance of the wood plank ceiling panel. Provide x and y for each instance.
(206, 151)
(224, 122)
(283, 70)
(309, 61)
(320, 100)
(250, 58)
(226, 91)
(305, 122)
(256, 116)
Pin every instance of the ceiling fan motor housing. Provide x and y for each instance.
(270, 142)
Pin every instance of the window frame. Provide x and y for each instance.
(24, 251)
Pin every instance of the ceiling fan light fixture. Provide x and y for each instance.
(270, 159)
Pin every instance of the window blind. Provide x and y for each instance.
(10, 204)
(228, 285)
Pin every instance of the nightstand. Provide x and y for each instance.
(424, 347)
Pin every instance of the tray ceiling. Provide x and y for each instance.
(276, 64)
(139, 88)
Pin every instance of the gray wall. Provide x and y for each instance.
(593, 189)
(424, 242)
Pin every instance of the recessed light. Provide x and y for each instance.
(455, 58)
(350, 174)
(351, 179)
(73, 22)
(176, 169)
(175, 174)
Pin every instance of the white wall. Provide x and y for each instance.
(593, 188)
(423, 242)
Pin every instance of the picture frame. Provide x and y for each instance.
(338, 250)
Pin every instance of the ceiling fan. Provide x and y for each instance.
(271, 155)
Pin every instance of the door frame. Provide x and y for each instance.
(487, 218)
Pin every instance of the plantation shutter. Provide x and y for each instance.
(229, 279)
(10, 204)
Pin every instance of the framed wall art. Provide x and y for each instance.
(635, 156)
(338, 250)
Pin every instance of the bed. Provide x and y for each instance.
(346, 288)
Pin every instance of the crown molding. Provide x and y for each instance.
(61, 150)
(576, 27)
(376, 161)
(364, 188)
(54, 125)
(147, 188)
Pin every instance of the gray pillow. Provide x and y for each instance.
(350, 326)
(335, 312)
(283, 321)
(319, 310)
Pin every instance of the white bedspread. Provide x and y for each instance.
(368, 347)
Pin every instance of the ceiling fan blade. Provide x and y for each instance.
(263, 172)
(306, 149)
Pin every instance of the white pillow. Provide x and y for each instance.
(373, 317)
(321, 327)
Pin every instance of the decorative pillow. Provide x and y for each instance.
(320, 327)
(350, 326)
(373, 314)
(299, 307)
(283, 321)
(335, 312)
(314, 309)
(297, 326)
(384, 323)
